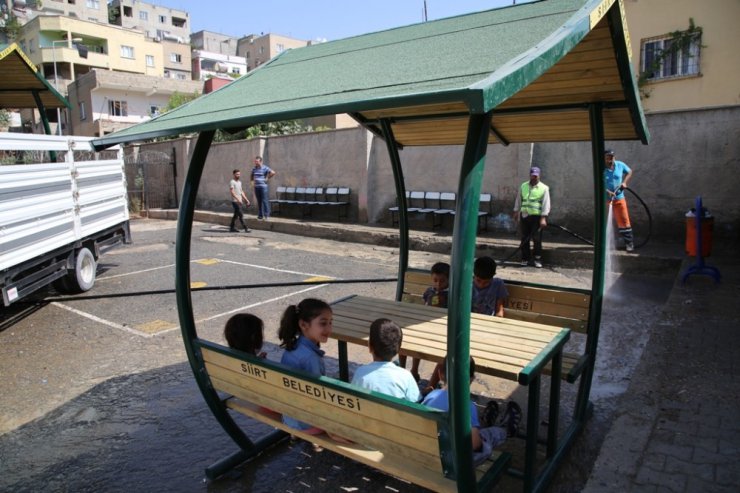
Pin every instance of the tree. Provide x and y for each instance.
(178, 99)
(11, 29)
(4, 118)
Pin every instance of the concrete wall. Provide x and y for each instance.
(692, 153)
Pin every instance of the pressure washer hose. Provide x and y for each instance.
(585, 240)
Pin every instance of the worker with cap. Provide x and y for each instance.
(617, 174)
(531, 209)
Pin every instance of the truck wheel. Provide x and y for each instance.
(83, 277)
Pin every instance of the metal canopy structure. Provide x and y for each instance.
(547, 71)
(23, 86)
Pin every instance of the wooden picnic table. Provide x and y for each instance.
(505, 348)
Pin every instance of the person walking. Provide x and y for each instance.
(237, 196)
(617, 175)
(261, 173)
(531, 209)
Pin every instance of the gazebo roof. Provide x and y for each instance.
(536, 66)
(21, 82)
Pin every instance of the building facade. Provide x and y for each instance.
(86, 10)
(259, 49)
(685, 53)
(213, 42)
(207, 64)
(104, 101)
(157, 22)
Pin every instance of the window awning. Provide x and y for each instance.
(536, 66)
(22, 86)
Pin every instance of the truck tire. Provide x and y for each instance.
(82, 278)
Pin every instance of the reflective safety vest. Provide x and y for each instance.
(532, 198)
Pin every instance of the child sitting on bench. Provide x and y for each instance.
(303, 327)
(435, 295)
(382, 375)
(489, 436)
(245, 332)
(489, 292)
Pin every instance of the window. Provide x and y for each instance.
(181, 77)
(93, 4)
(143, 15)
(118, 108)
(262, 50)
(127, 51)
(279, 48)
(236, 70)
(163, 19)
(150, 60)
(83, 113)
(153, 110)
(175, 58)
(663, 57)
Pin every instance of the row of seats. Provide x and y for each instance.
(439, 205)
(307, 197)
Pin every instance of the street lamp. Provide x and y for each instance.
(56, 80)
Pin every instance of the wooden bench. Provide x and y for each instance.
(557, 307)
(397, 437)
(307, 197)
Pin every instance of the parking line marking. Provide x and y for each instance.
(165, 331)
(207, 261)
(278, 270)
(134, 273)
(247, 307)
(102, 320)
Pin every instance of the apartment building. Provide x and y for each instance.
(208, 64)
(66, 48)
(157, 22)
(87, 10)
(259, 49)
(52, 42)
(104, 101)
(213, 42)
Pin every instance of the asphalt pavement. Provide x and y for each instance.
(98, 395)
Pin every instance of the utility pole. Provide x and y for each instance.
(424, 15)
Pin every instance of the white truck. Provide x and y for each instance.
(61, 206)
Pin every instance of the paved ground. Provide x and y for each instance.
(87, 408)
(678, 425)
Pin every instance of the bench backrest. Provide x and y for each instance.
(486, 199)
(431, 200)
(533, 303)
(383, 423)
(416, 199)
(447, 202)
(343, 194)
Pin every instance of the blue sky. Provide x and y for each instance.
(317, 19)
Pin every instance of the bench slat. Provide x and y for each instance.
(336, 423)
(559, 308)
(368, 422)
(368, 408)
(392, 464)
(535, 304)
